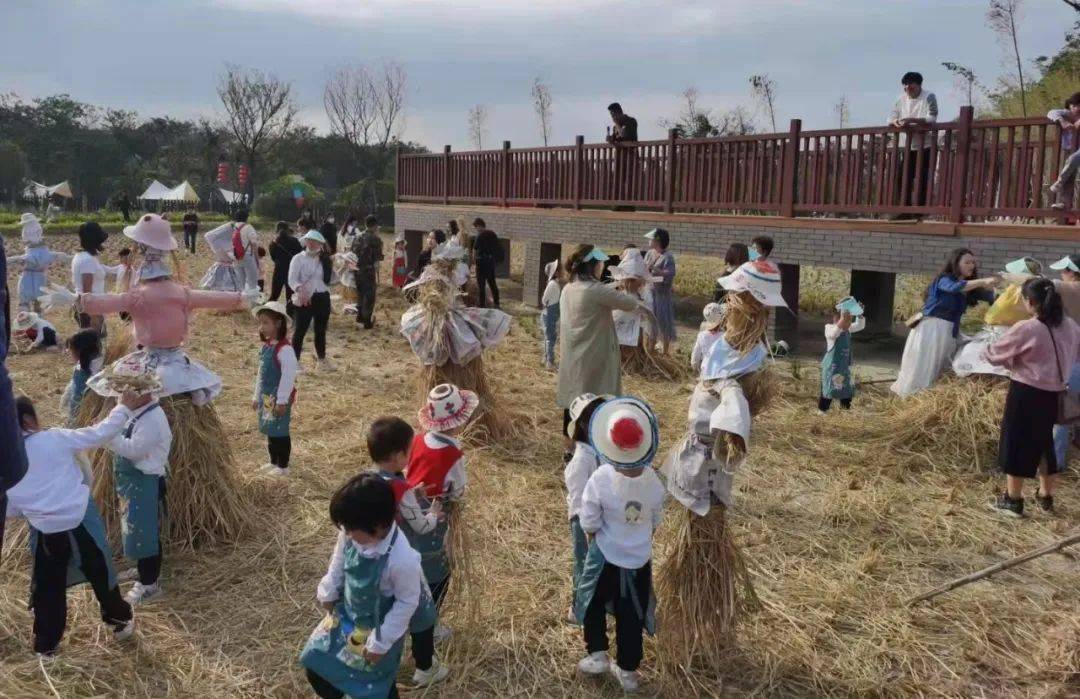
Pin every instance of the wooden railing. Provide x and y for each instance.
(956, 171)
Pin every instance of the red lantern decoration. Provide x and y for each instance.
(222, 173)
(242, 175)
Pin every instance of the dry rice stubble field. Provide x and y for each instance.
(839, 530)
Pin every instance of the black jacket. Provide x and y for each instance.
(282, 250)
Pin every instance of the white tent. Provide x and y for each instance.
(154, 192)
(36, 190)
(231, 197)
(182, 192)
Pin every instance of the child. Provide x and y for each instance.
(401, 262)
(36, 260)
(836, 364)
(84, 348)
(32, 332)
(370, 592)
(550, 314)
(67, 535)
(141, 458)
(576, 474)
(760, 248)
(712, 329)
(389, 442)
(620, 508)
(275, 385)
(122, 271)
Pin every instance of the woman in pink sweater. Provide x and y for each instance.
(1038, 353)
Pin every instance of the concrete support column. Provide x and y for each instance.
(784, 324)
(502, 270)
(537, 255)
(877, 292)
(414, 243)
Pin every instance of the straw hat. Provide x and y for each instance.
(448, 407)
(632, 266)
(131, 373)
(272, 307)
(349, 260)
(624, 432)
(24, 320)
(314, 235)
(152, 231)
(761, 278)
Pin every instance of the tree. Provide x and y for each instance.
(13, 171)
(1075, 4)
(842, 109)
(1002, 17)
(260, 110)
(478, 115)
(697, 122)
(964, 79)
(763, 88)
(541, 95)
(277, 198)
(364, 109)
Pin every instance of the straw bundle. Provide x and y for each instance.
(703, 588)
(745, 321)
(493, 420)
(459, 537)
(650, 364)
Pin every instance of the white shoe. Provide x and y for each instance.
(324, 365)
(267, 467)
(571, 618)
(126, 632)
(127, 575)
(594, 663)
(442, 633)
(275, 471)
(139, 593)
(425, 678)
(821, 413)
(627, 679)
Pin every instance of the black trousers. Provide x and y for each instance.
(48, 594)
(278, 284)
(325, 690)
(319, 311)
(150, 567)
(824, 404)
(423, 642)
(189, 239)
(629, 626)
(915, 175)
(366, 288)
(485, 275)
(280, 448)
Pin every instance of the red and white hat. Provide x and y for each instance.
(761, 278)
(624, 432)
(448, 407)
(152, 231)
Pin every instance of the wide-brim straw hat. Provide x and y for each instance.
(271, 307)
(624, 432)
(152, 231)
(448, 407)
(760, 278)
(131, 373)
(632, 266)
(24, 320)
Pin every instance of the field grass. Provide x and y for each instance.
(840, 523)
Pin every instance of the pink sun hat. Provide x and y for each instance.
(448, 407)
(152, 231)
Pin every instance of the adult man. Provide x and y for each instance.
(368, 250)
(625, 125)
(913, 112)
(191, 230)
(488, 253)
(123, 203)
(245, 243)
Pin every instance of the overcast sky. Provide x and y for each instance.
(163, 57)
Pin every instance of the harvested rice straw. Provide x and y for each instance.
(745, 321)
(493, 420)
(760, 389)
(650, 364)
(463, 590)
(119, 343)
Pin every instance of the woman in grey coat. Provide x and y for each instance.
(661, 263)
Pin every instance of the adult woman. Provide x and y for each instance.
(87, 272)
(661, 263)
(349, 230)
(282, 250)
(588, 344)
(309, 277)
(1039, 353)
(330, 233)
(737, 254)
(1068, 288)
(931, 344)
(433, 240)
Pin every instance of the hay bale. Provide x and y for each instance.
(648, 363)
(494, 421)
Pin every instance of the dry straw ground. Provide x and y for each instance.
(841, 519)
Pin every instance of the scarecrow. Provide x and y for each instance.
(449, 338)
(704, 583)
(36, 260)
(203, 501)
(225, 274)
(632, 277)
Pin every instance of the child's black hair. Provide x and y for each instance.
(365, 503)
(1044, 296)
(387, 436)
(581, 425)
(283, 325)
(371, 220)
(24, 407)
(764, 245)
(86, 345)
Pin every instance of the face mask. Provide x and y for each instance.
(754, 254)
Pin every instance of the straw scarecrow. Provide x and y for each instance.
(35, 260)
(638, 357)
(449, 338)
(203, 502)
(704, 584)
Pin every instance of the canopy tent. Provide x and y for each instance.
(36, 190)
(231, 197)
(154, 192)
(182, 192)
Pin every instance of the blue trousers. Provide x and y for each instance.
(1063, 433)
(550, 317)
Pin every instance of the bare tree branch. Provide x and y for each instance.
(478, 125)
(1075, 4)
(349, 100)
(764, 90)
(390, 101)
(1002, 17)
(541, 95)
(966, 83)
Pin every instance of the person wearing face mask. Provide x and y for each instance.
(330, 232)
(309, 277)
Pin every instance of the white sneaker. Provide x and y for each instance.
(821, 413)
(627, 679)
(267, 467)
(275, 471)
(442, 633)
(139, 593)
(425, 678)
(126, 632)
(325, 365)
(594, 663)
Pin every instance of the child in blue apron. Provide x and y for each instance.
(576, 474)
(275, 385)
(84, 348)
(620, 509)
(370, 593)
(836, 364)
(389, 442)
(67, 535)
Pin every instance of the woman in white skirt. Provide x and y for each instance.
(932, 342)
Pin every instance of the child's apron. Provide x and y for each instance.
(269, 379)
(431, 546)
(95, 527)
(141, 498)
(334, 651)
(581, 549)
(590, 576)
(426, 614)
(836, 370)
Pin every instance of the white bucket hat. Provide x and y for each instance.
(624, 432)
(577, 406)
(713, 313)
(135, 372)
(152, 231)
(272, 306)
(24, 320)
(550, 269)
(632, 266)
(761, 278)
(448, 407)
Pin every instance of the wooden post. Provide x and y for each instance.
(579, 164)
(506, 174)
(446, 175)
(790, 171)
(960, 171)
(397, 173)
(669, 188)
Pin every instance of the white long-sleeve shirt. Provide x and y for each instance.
(705, 340)
(576, 474)
(552, 294)
(833, 331)
(402, 579)
(622, 512)
(924, 106)
(149, 443)
(39, 331)
(455, 481)
(306, 275)
(289, 366)
(53, 494)
(412, 514)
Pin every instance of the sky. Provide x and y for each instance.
(163, 57)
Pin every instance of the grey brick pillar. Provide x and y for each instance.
(414, 243)
(502, 270)
(877, 292)
(537, 255)
(784, 324)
